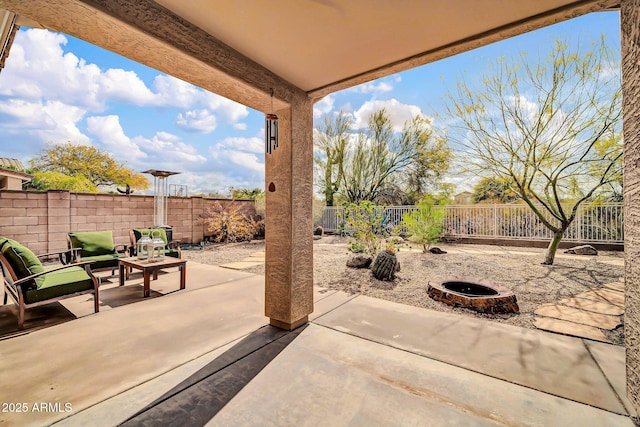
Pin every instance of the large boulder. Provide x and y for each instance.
(359, 260)
(582, 250)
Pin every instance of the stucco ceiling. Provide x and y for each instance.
(315, 44)
(242, 49)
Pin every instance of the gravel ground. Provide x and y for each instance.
(518, 269)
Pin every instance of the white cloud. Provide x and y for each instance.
(50, 121)
(379, 87)
(231, 111)
(247, 160)
(109, 132)
(169, 149)
(175, 92)
(251, 145)
(172, 92)
(125, 86)
(240, 160)
(197, 121)
(324, 106)
(47, 95)
(38, 68)
(398, 113)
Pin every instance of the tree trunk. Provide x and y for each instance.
(553, 247)
(328, 185)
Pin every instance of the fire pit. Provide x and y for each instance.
(479, 295)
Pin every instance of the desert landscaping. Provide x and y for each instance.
(516, 268)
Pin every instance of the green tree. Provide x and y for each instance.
(245, 193)
(424, 224)
(495, 190)
(382, 159)
(59, 181)
(95, 165)
(544, 125)
(378, 164)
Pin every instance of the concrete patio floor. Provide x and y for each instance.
(205, 356)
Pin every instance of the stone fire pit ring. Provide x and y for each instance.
(476, 294)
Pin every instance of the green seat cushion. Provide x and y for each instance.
(93, 243)
(22, 260)
(139, 232)
(103, 261)
(59, 283)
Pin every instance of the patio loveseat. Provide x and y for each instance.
(29, 283)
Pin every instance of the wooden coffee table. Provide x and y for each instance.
(152, 267)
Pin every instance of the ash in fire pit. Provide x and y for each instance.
(479, 295)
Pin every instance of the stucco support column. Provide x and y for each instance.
(289, 222)
(629, 18)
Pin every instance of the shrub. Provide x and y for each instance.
(365, 224)
(424, 224)
(229, 223)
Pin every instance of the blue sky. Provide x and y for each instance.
(55, 88)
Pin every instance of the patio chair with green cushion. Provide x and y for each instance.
(97, 247)
(29, 283)
(172, 248)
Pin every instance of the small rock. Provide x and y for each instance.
(437, 250)
(359, 260)
(582, 250)
(316, 237)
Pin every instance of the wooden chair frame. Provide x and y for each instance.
(13, 285)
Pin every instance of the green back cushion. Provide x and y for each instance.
(138, 232)
(22, 260)
(92, 243)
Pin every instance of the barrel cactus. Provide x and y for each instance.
(385, 265)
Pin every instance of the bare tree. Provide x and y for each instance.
(552, 128)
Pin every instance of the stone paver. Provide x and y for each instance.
(605, 295)
(618, 262)
(253, 260)
(616, 286)
(239, 265)
(569, 328)
(594, 306)
(585, 315)
(572, 314)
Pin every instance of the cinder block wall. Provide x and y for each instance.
(41, 220)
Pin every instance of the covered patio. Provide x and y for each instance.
(206, 355)
(357, 360)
